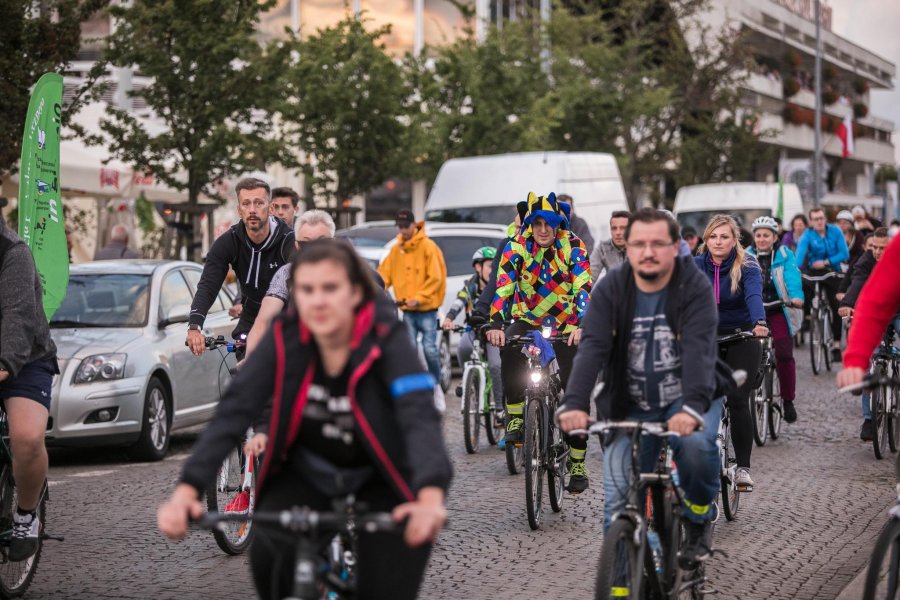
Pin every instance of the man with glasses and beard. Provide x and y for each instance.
(650, 329)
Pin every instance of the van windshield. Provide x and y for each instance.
(500, 215)
(699, 219)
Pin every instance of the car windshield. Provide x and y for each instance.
(500, 215)
(369, 237)
(699, 219)
(458, 251)
(109, 300)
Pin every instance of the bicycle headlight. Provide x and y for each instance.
(536, 377)
(101, 367)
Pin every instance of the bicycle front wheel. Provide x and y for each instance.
(760, 406)
(15, 577)
(827, 337)
(879, 421)
(233, 491)
(893, 412)
(534, 466)
(776, 405)
(619, 574)
(815, 342)
(558, 471)
(731, 498)
(883, 574)
(471, 408)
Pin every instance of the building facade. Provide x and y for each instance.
(781, 36)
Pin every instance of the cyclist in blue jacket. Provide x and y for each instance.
(821, 250)
(781, 281)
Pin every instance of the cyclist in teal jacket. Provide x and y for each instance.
(821, 250)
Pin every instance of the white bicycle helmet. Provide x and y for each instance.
(845, 215)
(765, 223)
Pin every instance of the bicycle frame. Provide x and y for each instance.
(478, 363)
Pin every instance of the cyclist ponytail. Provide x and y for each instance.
(741, 255)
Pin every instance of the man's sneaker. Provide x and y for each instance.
(790, 413)
(742, 480)
(697, 545)
(240, 503)
(24, 542)
(867, 433)
(439, 403)
(514, 434)
(578, 477)
(836, 355)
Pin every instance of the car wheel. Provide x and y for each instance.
(446, 363)
(155, 425)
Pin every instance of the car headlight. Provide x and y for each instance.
(101, 367)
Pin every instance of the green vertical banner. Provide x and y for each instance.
(780, 213)
(41, 222)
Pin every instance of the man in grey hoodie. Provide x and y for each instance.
(27, 366)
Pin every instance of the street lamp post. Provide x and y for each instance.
(817, 155)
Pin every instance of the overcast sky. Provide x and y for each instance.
(874, 25)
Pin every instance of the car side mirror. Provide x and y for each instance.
(180, 313)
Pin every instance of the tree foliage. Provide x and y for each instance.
(345, 108)
(35, 38)
(471, 98)
(213, 86)
(641, 79)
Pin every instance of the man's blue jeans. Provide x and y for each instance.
(425, 322)
(696, 456)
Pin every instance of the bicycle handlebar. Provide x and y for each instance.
(773, 304)
(302, 520)
(869, 382)
(821, 277)
(648, 427)
(734, 337)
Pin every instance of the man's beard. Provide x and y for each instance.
(648, 276)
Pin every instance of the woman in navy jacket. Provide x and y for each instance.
(351, 412)
(737, 285)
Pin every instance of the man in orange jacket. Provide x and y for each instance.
(416, 270)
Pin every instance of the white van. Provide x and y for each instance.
(485, 189)
(696, 204)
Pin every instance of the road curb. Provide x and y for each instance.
(854, 589)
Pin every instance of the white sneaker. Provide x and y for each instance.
(439, 402)
(742, 480)
(24, 542)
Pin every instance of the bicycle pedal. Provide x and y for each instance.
(55, 538)
(518, 445)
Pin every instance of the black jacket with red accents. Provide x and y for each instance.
(390, 392)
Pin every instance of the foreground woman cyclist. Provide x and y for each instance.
(737, 284)
(352, 412)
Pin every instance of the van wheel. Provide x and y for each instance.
(156, 424)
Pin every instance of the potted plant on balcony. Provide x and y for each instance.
(791, 86)
(829, 96)
(860, 110)
(860, 86)
(829, 73)
(793, 58)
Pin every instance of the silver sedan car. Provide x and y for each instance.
(126, 376)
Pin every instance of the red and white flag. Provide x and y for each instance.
(845, 133)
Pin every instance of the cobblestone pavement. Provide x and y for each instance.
(804, 533)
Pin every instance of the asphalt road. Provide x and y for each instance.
(805, 532)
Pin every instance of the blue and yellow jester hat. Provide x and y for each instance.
(547, 207)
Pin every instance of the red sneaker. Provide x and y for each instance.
(240, 503)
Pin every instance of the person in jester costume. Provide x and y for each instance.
(543, 286)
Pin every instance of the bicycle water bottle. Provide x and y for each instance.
(656, 549)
